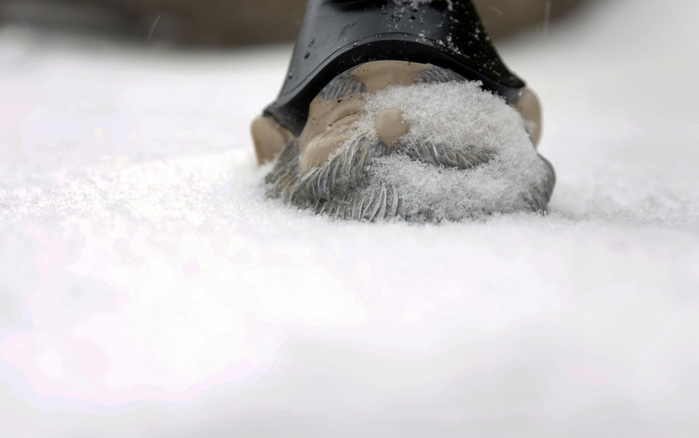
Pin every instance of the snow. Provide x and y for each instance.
(149, 290)
(411, 3)
(468, 120)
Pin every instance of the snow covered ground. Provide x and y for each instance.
(148, 290)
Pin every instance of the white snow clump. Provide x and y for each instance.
(468, 119)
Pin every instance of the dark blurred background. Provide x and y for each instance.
(225, 23)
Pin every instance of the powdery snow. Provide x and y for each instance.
(148, 289)
(472, 121)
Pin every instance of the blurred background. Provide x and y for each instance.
(223, 23)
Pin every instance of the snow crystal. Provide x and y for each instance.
(403, 6)
(411, 3)
(468, 119)
(415, 3)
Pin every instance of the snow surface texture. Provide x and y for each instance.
(149, 290)
(469, 120)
